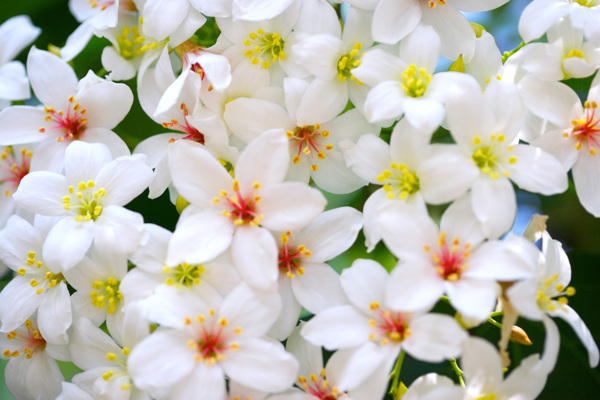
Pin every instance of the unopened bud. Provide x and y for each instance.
(518, 335)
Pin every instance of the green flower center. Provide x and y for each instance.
(348, 62)
(106, 294)
(399, 181)
(265, 47)
(415, 81)
(184, 275)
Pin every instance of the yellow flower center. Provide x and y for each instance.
(264, 47)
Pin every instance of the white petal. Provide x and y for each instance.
(364, 283)
(200, 236)
(331, 233)
(289, 206)
(392, 20)
(151, 367)
(254, 253)
(337, 327)
(588, 188)
(494, 204)
(68, 242)
(434, 338)
(318, 288)
(249, 366)
(264, 160)
(537, 171)
(414, 286)
(473, 298)
(583, 333)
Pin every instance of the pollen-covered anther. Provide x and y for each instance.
(193, 133)
(399, 181)
(415, 80)
(491, 156)
(13, 167)
(70, 125)
(183, 275)
(132, 44)
(450, 261)
(264, 48)
(348, 62)
(86, 202)
(307, 140)
(586, 129)
(106, 294)
(290, 256)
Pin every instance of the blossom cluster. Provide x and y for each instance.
(293, 99)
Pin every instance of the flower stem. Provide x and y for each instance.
(458, 372)
(396, 373)
(507, 54)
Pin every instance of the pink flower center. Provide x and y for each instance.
(290, 259)
(26, 342)
(14, 168)
(586, 129)
(318, 386)
(241, 209)
(389, 325)
(71, 124)
(450, 261)
(193, 134)
(212, 337)
(307, 140)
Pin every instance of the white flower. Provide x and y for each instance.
(38, 286)
(374, 332)
(410, 170)
(565, 56)
(332, 60)
(305, 280)
(484, 377)
(152, 270)
(573, 138)
(32, 372)
(89, 198)
(201, 341)
(453, 260)
(485, 127)
(238, 211)
(16, 33)
(104, 358)
(314, 148)
(545, 294)
(130, 49)
(540, 15)
(394, 19)
(407, 85)
(174, 20)
(84, 110)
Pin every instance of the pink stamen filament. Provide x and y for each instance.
(193, 133)
(13, 170)
(241, 210)
(306, 139)
(586, 129)
(101, 4)
(320, 389)
(73, 123)
(31, 342)
(450, 262)
(391, 324)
